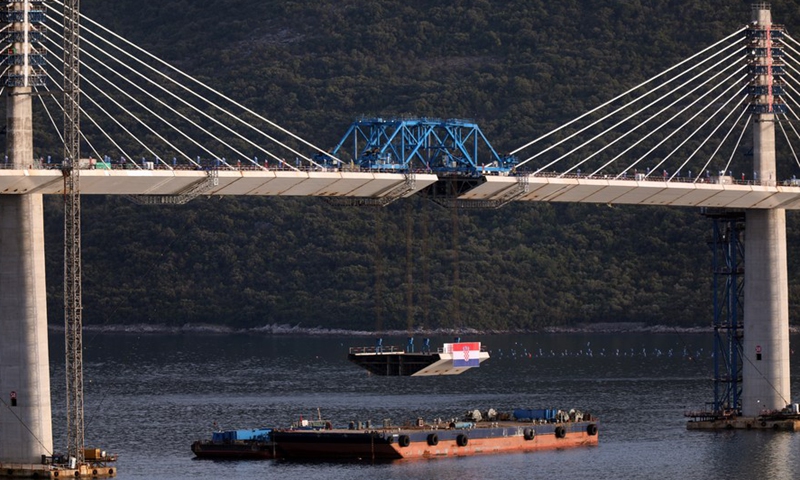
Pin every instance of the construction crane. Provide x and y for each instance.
(72, 232)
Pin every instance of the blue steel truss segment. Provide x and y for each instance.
(424, 133)
(447, 146)
(413, 137)
(378, 148)
(390, 147)
(459, 142)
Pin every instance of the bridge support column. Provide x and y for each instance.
(25, 411)
(765, 369)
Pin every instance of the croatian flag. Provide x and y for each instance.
(466, 354)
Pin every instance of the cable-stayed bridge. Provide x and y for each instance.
(152, 129)
(705, 132)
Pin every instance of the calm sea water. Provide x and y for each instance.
(148, 397)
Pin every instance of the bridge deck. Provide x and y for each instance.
(226, 182)
(641, 192)
(378, 185)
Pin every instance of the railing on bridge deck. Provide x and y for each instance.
(207, 166)
(212, 164)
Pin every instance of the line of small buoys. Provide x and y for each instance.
(521, 352)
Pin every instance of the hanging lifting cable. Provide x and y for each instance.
(181, 115)
(456, 270)
(202, 98)
(11, 410)
(654, 102)
(736, 107)
(378, 271)
(88, 97)
(745, 356)
(142, 122)
(409, 269)
(623, 94)
(426, 273)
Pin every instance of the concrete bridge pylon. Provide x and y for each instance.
(765, 370)
(25, 410)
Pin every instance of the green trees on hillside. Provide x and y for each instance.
(518, 68)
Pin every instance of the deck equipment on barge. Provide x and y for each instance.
(476, 433)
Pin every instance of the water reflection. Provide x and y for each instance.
(149, 396)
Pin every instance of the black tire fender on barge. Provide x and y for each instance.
(591, 429)
(560, 432)
(404, 440)
(433, 439)
(528, 433)
(462, 440)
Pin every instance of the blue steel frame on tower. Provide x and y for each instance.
(31, 59)
(456, 147)
(728, 278)
(769, 62)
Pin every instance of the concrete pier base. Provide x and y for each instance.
(22, 470)
(765, 369)
(746, 423)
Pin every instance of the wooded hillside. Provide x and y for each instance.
(517, 67)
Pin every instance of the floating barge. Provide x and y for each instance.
(786, 420)
(237, 445)
(475, 434)
(450, 359)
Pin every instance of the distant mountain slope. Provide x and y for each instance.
(517, 67)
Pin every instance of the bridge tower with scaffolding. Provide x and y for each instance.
(765, 371)
(25, 413)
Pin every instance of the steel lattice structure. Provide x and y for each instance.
(454, 147)
(728, 277)
(72, 231)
